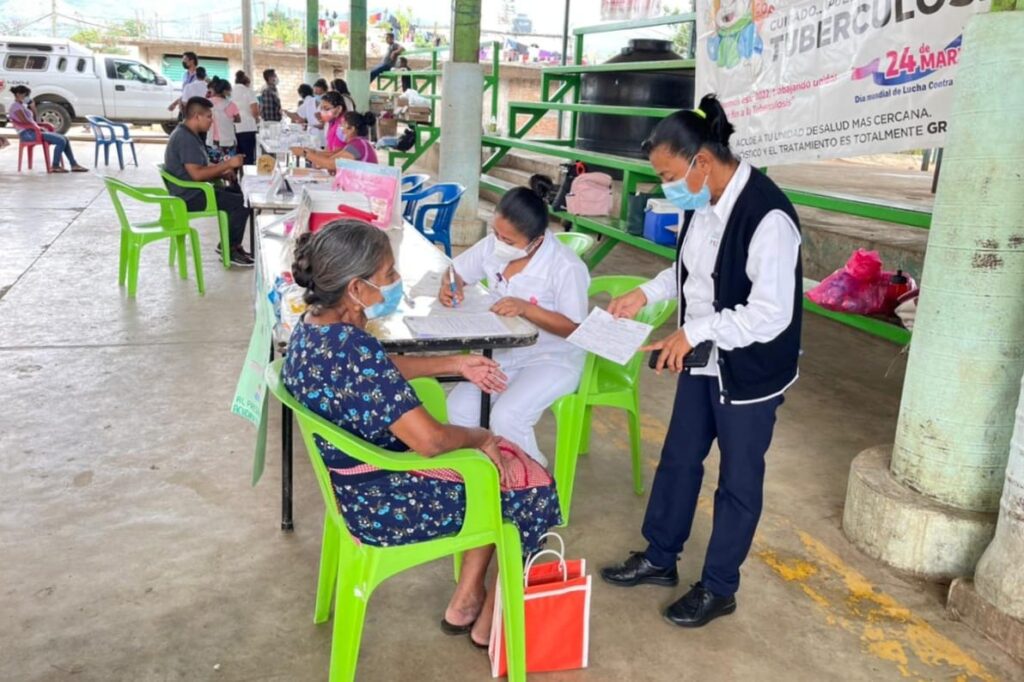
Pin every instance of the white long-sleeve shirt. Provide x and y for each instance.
(771, 267)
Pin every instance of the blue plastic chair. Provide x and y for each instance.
(410, 185)
(443, 206)
(109, 133)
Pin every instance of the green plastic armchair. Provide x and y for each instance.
(605, 384)
(211, 211)
(172, 224)
(350, 571)
(579, 242)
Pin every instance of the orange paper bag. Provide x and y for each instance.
(557, 607)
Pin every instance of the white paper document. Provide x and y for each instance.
(469, 325)
(615, 340)
(474, 301)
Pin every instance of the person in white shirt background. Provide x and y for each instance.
(249, 114)
(189, 62)
(738, 280)
(540, 279)
(306, 112)
(197, 87)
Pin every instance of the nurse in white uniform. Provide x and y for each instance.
(536, 277)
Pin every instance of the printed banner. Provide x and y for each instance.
(621, 10)
(251, 397)
(804, 80)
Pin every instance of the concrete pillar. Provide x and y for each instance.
(247, 60)
(312, 41)
(1000, 574)
(358, 77)
(462, 92)
(999, 577)
(931, 511)
(993, 603)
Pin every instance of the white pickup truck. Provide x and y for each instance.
(70, 82)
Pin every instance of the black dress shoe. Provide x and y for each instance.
(699, 607)
(637, 570)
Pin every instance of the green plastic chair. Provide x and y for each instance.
(173, 225)
(605, 384)
(350, 571)
(577, 241)
(210, 212)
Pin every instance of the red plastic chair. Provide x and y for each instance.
(32, 144)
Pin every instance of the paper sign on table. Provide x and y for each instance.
(470, 325)
(612, 339)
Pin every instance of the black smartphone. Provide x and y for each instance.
(697, 357)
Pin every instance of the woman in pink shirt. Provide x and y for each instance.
(355, 128)
(24, 121)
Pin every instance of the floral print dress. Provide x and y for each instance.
(343, 374)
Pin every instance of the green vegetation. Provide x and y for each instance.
(279, 28)
(109, 39)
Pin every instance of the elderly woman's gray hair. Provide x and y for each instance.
(342, 251)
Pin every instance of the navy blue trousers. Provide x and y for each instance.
(744, 433)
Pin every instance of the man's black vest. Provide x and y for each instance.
(760, 369)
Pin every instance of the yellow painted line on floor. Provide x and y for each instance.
(846, 599)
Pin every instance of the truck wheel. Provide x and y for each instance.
(56, 115)
(169, 126)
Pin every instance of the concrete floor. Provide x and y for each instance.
(132, 546)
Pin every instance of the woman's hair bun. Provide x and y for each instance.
(302, 269)
(369, 118)
(719, 128)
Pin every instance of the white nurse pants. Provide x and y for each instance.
(514, 413)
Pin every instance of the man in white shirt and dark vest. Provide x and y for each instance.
(738, 281)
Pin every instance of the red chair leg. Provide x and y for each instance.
(21, 153)
(46, 157)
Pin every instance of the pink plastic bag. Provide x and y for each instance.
(859, 287)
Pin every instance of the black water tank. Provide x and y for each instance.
(623, 135)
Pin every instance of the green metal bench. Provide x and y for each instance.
(614, 231)
(426, 136)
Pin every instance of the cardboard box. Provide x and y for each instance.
(418, 114)
(381, 103)
(387, 127)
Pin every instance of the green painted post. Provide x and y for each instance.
(358, 76)
(932, 511)
(466, 31)
(495, 76)
(312, 40)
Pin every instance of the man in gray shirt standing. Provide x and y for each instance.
(186, 158)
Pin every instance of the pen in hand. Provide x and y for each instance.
(451, 285)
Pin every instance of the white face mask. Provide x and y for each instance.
(507, 253)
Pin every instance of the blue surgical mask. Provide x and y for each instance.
(680, 195)
(392, 294)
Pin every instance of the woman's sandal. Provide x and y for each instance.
(455, 630)
(58, 169)
(79, 169)
(477, 644)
